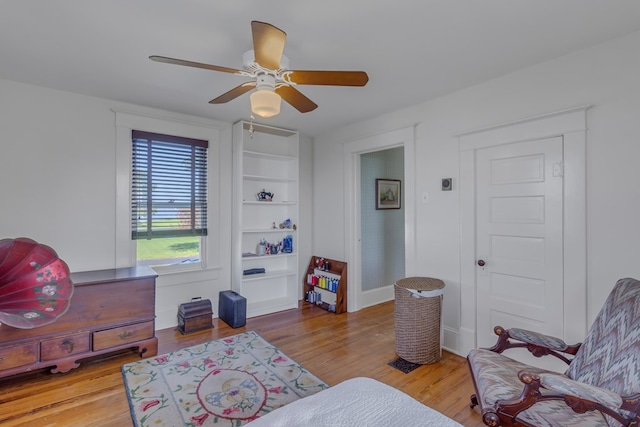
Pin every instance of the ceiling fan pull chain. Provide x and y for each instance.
(251, 130)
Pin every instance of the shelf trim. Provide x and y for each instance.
(255, 202)
(262, 155)
(319, 272)
(267, 178)
(269, 230)
(323, 289)
(280, 255)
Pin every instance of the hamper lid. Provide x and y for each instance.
(420, 283)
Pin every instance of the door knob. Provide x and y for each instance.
(481, 262)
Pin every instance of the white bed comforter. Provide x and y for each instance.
(355, 402)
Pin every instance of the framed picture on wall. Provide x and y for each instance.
(388, 193)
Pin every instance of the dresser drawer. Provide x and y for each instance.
(64, 346)
(18, 355)
(123, 335)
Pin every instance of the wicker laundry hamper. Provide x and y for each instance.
(418, 309)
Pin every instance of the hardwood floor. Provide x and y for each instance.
(333, 347)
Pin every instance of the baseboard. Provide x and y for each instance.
(467, 340)
(450, 340)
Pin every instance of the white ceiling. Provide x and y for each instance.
(413, 50)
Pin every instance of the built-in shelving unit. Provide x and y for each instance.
(265, 159)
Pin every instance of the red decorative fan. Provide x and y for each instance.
(35, 288)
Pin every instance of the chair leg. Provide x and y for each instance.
(474, 401)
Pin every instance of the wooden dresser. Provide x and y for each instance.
(110, 310)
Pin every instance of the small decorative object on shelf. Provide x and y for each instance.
(265, 196)
(267, 248)
(287, 244)
(285, 224)
(273, 248)
(322, 264)
(261, 249)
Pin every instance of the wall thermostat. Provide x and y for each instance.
(447, 183)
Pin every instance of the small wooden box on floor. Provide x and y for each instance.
(195, 316)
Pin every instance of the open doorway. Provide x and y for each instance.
(371, 275)
(381, 223)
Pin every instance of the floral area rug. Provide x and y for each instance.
(227, 382)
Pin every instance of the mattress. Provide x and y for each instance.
(355, 402)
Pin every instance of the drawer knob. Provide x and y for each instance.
(125, 335)
(68, 345)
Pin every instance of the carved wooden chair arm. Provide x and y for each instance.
(579, 397)
(538, 344)
(568, 387)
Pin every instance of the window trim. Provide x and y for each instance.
(191, 127)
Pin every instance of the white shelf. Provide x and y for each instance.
(269, 230)
(268, 274)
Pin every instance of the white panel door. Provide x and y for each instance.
(519, 250)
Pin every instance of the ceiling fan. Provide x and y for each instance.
(273, 80)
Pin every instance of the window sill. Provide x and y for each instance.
(170, 275)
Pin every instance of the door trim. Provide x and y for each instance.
(404, 137)
(571, 125)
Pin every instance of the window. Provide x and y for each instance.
(168, 197)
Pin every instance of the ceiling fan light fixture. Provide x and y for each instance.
(265, 103)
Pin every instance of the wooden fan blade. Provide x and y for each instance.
(294, 97)
(268, 44)
(233, 93)
(330, 78)
(193, 64)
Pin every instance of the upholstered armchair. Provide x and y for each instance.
(601, 386)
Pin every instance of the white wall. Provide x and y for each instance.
(604, 76)
(58, 176)
(57, 172)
